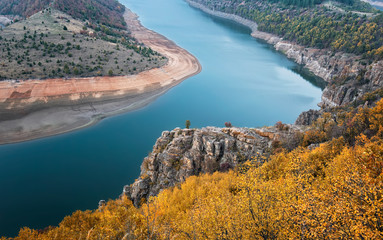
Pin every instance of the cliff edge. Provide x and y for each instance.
(181, 153)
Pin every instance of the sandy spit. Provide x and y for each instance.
(33, 109)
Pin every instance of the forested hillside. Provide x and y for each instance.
(319, 26)
(23, 8)
(305, 3)
(107, 12)
(331, 191)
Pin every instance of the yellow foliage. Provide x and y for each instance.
(334, 191)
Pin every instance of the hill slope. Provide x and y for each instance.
(52, 44)
(82, 38)
(107, 12)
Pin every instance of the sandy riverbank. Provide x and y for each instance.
(40, 108)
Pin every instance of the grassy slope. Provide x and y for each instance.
(39, 47)
(91, 41)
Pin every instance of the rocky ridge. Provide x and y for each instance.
(181, 153)
(347, 77)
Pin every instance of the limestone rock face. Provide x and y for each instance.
(308, 117)
(347, 76)
(375, 74)
(181, 153)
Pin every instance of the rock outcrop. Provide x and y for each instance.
(181, 153)
(4, 21)
(308, 117)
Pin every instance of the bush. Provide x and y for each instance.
(187, 124)
(282, 127)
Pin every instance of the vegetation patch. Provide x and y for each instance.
(52, 44)
(357, 28)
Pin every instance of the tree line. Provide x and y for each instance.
(316, 27)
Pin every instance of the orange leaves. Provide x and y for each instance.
(376, 119)
(332, 191)
(357, 190)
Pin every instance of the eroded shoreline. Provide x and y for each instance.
(319, 62)
(54, 106)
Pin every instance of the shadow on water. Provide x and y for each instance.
(297, 68)
(230, 24)
(309, 76)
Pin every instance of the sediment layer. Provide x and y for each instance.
(96, 96)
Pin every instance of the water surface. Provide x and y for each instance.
(243, 81)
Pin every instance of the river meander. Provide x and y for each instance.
(242, 81)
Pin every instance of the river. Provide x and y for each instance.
(242, 81)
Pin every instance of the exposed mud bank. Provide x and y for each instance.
(38, 108)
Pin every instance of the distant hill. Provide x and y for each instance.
(23, 8)
(69, 38)
(106, 12)
(305, 3)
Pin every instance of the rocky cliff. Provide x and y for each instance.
(308, 117)
(348, 76)
(181, 153)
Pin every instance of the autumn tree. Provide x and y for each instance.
(187, 124)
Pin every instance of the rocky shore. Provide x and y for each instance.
(38, 108)
(347, 77)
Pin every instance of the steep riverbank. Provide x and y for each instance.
(38, 108)
(347, 77)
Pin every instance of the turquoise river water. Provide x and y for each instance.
(243, 81)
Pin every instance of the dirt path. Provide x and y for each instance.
(49, 107)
